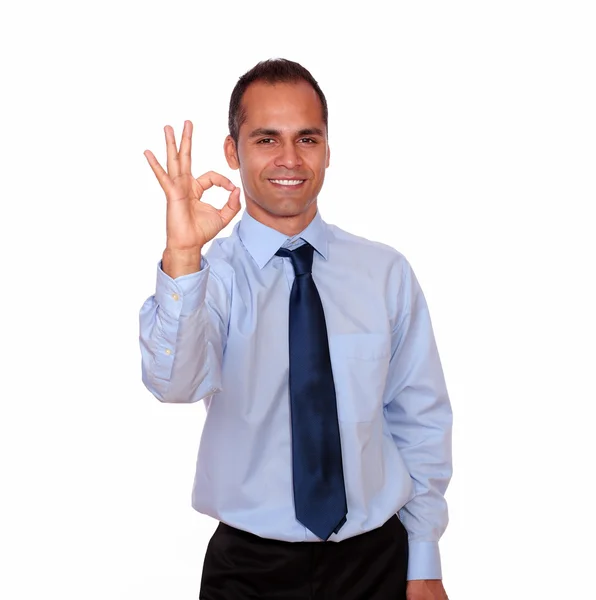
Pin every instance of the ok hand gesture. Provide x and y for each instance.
(190, 222)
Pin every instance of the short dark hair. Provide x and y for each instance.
(274, 70)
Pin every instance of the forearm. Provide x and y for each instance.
(425, 516)
(420, 420)
(181, 343)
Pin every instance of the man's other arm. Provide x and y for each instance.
(419, 415)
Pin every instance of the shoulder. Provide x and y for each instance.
(369, 250)
(220, 255)
(376, 265)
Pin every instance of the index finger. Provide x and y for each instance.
(212, 178)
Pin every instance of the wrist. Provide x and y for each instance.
(176, 263)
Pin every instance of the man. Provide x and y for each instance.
(326, 449)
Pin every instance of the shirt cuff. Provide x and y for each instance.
(182, 296)
(424, 561)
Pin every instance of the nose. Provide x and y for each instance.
(288, 157)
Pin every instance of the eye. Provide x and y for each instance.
(265, 141)
(308, 140)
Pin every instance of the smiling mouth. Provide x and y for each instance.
(288, 183)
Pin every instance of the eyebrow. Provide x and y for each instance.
(275, 132)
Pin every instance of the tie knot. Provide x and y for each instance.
(301, 258)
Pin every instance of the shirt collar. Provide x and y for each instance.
(262, 242)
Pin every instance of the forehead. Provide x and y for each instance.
(293, 105)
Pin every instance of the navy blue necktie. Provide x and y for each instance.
(319, 492)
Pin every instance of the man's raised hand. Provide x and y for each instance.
(190, 222)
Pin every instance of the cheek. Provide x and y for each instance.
(318, 162)
(254, 167)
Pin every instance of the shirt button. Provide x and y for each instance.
(175, 296)
(168, 351)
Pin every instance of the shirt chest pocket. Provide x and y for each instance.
(360, 362)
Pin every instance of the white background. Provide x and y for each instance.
(462, 133)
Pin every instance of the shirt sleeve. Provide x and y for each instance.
(182, 334)
(419, 416)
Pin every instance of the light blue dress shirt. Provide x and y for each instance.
(221, 335)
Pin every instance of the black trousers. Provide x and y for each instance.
(242, 566)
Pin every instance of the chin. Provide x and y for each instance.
(286, 209)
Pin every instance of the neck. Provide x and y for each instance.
(288, 225)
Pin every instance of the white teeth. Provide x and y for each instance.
(287, 181)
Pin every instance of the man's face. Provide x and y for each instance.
(282, 148)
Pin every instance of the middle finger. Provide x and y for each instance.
(185, 148)
(173, 160)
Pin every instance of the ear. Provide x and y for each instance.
(328, 156)
(231, 153)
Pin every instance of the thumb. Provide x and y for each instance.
(232, 206)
